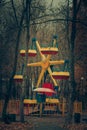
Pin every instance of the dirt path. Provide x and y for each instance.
(42, 123)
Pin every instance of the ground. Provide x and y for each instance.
(42, 123)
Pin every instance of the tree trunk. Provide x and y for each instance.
(28, 4)
(72, 63)
(72, 93)
(14, 68)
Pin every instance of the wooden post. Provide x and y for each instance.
(63, 107)
(41, 104)
(78, 107)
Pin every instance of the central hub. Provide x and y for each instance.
(45, 65)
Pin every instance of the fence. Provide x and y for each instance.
(78, 107)
(12, 108)
(32, 107)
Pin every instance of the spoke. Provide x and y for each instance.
(34, 64)
(39, 49)
(48, 57)
(50, 73)
(56, 62)
(40, 77)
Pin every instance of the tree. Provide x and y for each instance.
(25, 16)
(75, 10)
(14, 69)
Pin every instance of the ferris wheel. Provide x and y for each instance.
(46, 62)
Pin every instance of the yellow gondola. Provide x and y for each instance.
(61, 75)
(49, 50)
(18, 78)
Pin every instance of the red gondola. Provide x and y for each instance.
(32, 52)
(61, 75)
(22, 52)
(49, 50)
(18, 78)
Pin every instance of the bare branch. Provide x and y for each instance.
(12, 2)
(78, 7)
(60, 19)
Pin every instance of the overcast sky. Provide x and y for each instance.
(56, 2)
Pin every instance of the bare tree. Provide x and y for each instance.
(14, 67)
